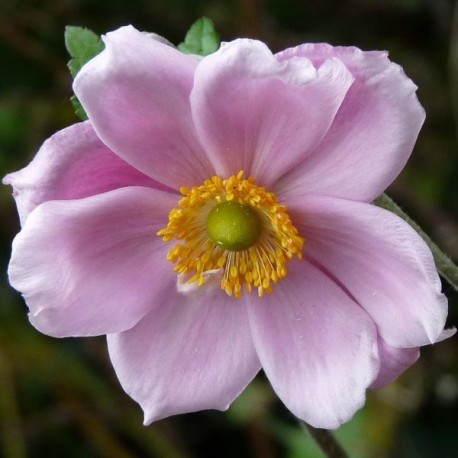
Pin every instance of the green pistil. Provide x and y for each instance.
(233, 226)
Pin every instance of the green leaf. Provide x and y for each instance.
(79, 110)
(201, 39)
(82, 44)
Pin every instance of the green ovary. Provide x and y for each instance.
(233, 226)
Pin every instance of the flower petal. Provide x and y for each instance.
(372, 135)
(94, 265)
(136, 94)
(72, 164)
(381, 261)
(316, 345)
(255, 114)
(393, 362)
(186, 356)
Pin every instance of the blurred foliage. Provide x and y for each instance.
(60, 398)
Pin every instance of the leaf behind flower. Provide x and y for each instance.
(201, 39)
(82, 44)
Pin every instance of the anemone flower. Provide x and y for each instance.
(213, 217)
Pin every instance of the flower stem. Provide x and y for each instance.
(326, 441)
(444, 264)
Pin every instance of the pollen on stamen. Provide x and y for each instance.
(235, 226)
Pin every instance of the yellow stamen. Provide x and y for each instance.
(255, 267)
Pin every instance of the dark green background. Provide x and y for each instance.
(60, 398)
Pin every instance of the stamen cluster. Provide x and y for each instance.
(258, 266)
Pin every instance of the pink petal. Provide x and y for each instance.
(393, 362)
(255, 114)
(136, 94)
(446, 334)
(186, 356)
(94, 265)
(381, 261)
(372, 135)
(316, 345)
(72, 164)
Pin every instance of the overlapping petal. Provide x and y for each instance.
(372, 135)
(316, 345)
(393, 362)
(255, 114)
(93, 266)
(72, 164)
(136, 94)
(186, 355)
(381, 261)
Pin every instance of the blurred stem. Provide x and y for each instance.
(326, 441)
(444, 264)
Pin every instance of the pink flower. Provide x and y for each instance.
(322, 131)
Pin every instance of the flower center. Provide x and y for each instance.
(235, 228)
